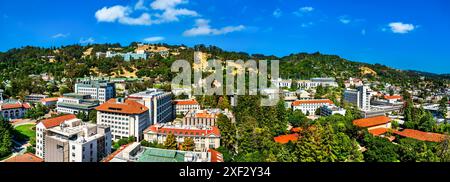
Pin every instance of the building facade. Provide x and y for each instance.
(158, 102)
(360, 97)
(13, 110)
(329, 110)
(309, 107)
(206, 117)
(72, 103)
(34, 98)
(315, 82)
(184, 106)
(204, 138)
(125, 117)
(101, 90)
(68, 139)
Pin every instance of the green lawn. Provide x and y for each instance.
(27, 130)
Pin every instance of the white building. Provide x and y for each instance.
(68, 139)
(101, 90)
(310, 106)
(184, 106)
(280, 83)
(72, 103)
(315, 82)
(158, 102)
(329, 110)
(206, 137)
(125, 117)
(359, 97)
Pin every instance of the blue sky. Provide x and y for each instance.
(404, 34)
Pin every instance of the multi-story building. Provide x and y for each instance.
(353, 82)
(10, 109)
(158, 102)
(101, 90)
(207, 137)
(280, 83)
(206, 117)
(309, 107)
(329, 110)
(72, 103)
(126, 56)
(360, 97)
(315, 82)
(52, 101)
(125, 117)
(34, 98)
(68, 139)
(184, 106)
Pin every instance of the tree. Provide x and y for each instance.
(443, 150)
(171, 142)
(411, 150)
(227, 132)
(92, 116)
(379, 149)
(443, 107)
(81, 115)
(223, 103)
(297, 118)
(188, 144)
(5, 137)
(31, 149)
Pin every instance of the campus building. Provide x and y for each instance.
(34, 98)
(329, 110)
(126, 56)
(101, 90)
(125, 117)
(72, 103)
(206, 117)
(12, 109)
(315, 82)
(309, 107)
(360, 97)
(184, 106)
(205, 138)
(68, 139)
(158, 102)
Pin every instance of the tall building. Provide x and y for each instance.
(309, 107)
(101, 90)
(158, 102)
(72, 103)
(125, 117)
(204, 137)
(68, 139)
(359, 97)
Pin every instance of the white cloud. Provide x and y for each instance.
(154, 39)
(163, 11)
(60, 35)
(345, 19)
(303, 10)
(112, 14)
(307, 24)
(89, 40)
(140, 5)
(202, 27)
(277, 13)
(402, 28)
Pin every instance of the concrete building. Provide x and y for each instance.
(184, 106)
(280, 83)
(360, 97)
(126, 56)
(34, 98)
(101, 90)
(309, 107)
(315, 82)
(206, 117)
(10, 109)
(329, 110)
(68, 139)
(72, 103)
(125, 117)
(205, 138)
(158, 102)
(137, 153)
(49, 102)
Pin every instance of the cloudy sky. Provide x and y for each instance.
(405, 34)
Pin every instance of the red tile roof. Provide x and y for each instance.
(52, 122)
(112, 155)
(186, 102)
(296, 130)
(369, 122)
(127, 107)
(215, 155)
(378, 131)
(27, 157)
(321, 101)
(390, 97)
(51, 99)
(283, 139)
(16, 106)
(182, 131)
(420, 135)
